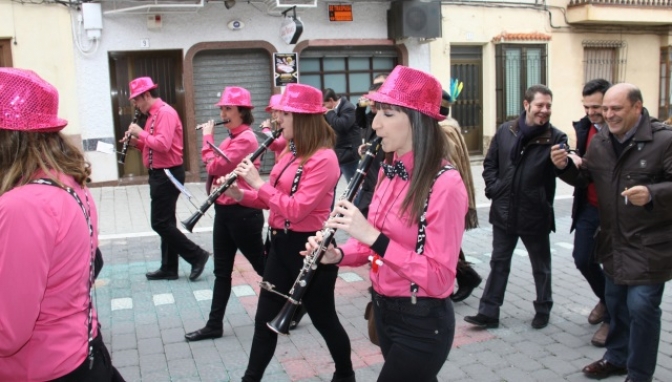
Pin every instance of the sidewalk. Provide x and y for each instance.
(144, 322)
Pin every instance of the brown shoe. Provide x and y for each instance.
(600, 336)
(597, 314)
(602, 369)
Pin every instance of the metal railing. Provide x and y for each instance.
(626, 3)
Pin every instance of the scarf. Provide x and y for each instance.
(526, 134)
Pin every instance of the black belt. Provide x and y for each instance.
(422, 307)
(171, 169)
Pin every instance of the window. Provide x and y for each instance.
(665, 109)
(604, 59)
(518, 67)
(349, 73)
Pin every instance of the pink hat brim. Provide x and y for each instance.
(319, 110)
(383, 98)
(140, 91)
(54, 125)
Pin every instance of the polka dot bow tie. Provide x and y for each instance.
(397, 169)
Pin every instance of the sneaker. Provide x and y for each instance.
(482, 321)
(540, 320)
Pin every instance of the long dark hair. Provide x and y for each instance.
(430, 149)
(23, 154)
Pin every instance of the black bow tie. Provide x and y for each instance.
(397, 169)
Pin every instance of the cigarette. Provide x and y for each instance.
(626, 197)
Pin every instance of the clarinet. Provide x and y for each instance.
(124, 148)
(280, 324)
(231, 178)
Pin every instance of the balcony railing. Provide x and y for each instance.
(620, 3)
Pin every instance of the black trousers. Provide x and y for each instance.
(236, 227)
(539, 251)
(102, 370)
(415, 339)
(164, 203)
(282, 268)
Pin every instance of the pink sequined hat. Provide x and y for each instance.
(28, 103)
(235, 96)
(302, 99)
(273, 102)
(141, 85)
(411, 88)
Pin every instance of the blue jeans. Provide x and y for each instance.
(587, 223)
(348, 170)
(634, 330)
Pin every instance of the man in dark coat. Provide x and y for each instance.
(630, 164)
(585, 217)
(520, 180)
(341, 117)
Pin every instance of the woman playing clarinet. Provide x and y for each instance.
(413, 231)
(236, 226)
(298, 194)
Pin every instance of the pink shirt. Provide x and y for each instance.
(309, 207)
(45, 253)
(278, 145)
(243, 143)
(166, 141)
(434, 270)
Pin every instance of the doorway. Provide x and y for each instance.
(466, 65)
(165, 69)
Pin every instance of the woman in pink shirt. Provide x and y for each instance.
(413, 233)
(298, 194)
(48, 235)
(236, 226)
(279, 144)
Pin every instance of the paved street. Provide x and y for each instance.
(144, 322)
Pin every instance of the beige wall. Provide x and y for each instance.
(466, 25)
(44, 44)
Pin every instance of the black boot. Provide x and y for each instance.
(467, 281)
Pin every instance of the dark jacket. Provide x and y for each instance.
(522, 194)
(581, 127)
(364, 120)
(634, 243)
(348, 139)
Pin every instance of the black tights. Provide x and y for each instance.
(282, 268)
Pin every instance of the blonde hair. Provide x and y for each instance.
(23, 154)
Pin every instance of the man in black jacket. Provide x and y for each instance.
(585, 217)
(341, 116)
(630, 164)
(520, 179)
(364, 120)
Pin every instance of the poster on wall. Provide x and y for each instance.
(285, 68)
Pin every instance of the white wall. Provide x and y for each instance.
(123, 32)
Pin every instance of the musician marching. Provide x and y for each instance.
(235, 226)
(298, 194)
(413, 233)
(161, 144)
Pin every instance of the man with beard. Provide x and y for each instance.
(520, 180)
(585, 218)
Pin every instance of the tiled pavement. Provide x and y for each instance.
(144, 322)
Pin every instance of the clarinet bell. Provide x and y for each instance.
(281, 323)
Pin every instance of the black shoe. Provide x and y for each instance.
(467, 281)
(161, 275)
(298, 315)
(350, 378)
(483, 321)
(198, 268)
(204, 334)
(540, 320)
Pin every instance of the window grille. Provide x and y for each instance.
(604, 59)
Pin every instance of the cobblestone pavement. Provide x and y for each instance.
(144, 322)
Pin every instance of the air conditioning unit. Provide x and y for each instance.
(421, 19)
